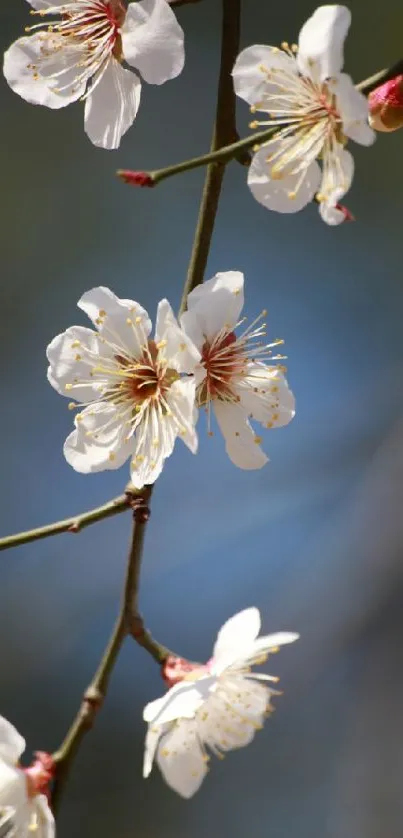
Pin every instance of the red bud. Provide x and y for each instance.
(386, 105)
(135, 178)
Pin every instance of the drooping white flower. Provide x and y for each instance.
(80, 54)
(24, 808)
(215, 707)
(233, 376)
(132, 397)
(315, 107)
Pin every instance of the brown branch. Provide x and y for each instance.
(224, 134)
(72, 525)
(96, 691)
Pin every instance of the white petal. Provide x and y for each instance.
(217, 303)
(13, 790)
(111, 107)
(12, 744)
(30, 65)
(44, 817)
(180, 351)
(321, 41)
(271, 641)
(69, 361)
(181, 759)
(181, 401)
(275, 194)
(45, 4)
(274, 404)
(181, 701)
(236, 634)
(251, 82)
(353, 109)
(99, 441)
(338, 171)
(241, 443)
(153, 736)
(152, 40)
(238, 710)
(110, 315)
(154, 442)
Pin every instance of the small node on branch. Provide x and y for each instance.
(92, 702)
(135, 178)
(75, 527)
(138, 502)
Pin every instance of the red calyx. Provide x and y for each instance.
(135, 178)
(386, 105)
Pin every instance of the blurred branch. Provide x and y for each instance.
(97, 690)
(370, 84)
(177, 3)
(73, 525)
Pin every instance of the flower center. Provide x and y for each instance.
(222, 360)
(146, 378)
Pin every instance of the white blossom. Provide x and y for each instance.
(80, 55)
(25, 812)
(233, 376)
(315, 108)
(130, 390)
(213, 708)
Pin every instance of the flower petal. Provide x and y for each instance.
(338, 171)
(286, 194)
(112, 105)
(268, 642)
(45, 4)
(266, 397)
(321, 41)
(30, 67)
(181, 701)
(153, 736)
(236, 634)
(152, 40)
(123, 323)
(180, 399)
(179, 349)
(71, 355)
(12, 744)
(216, 304)
(100, 441)
(353, 108)
(253, 70)
(241, 443)
(13, 793)
(44, 817)
(181, 759)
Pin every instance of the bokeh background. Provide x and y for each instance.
(315, 539)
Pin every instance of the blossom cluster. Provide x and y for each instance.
(135, 394)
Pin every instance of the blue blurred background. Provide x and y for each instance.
(315, 539)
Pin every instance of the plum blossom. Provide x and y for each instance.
(80, 55)
(23, 803)
(313, 109)
(213, 707)
(233, 377)
(132, 396)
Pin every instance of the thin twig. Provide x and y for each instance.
(72, 525)
(96, 692)
(370, 84)
(224, 134)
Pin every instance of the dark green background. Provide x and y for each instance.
(315, 539)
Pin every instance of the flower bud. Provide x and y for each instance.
(135, 178)
(386, 105)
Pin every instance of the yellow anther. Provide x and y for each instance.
(129, 321)
(138, 320)
(253, 124)
(71, 405)
(257, 440)
(112, 456)
(285, 45)
(161, 344)
(75, 344)
(78, 357)
(68, 387)
(183, 346)
(292, 196)
(101, 313)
